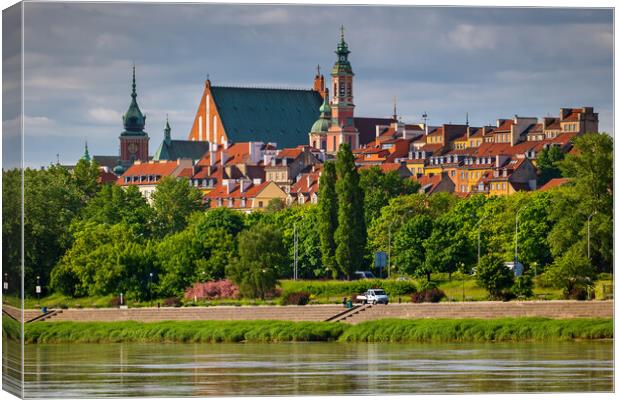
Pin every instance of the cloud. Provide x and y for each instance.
(105, 115)
(469, 37)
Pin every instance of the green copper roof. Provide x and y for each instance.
(167, 130)
(176, 149)
(342, 64)
(134, 120)
(324, 122)
(283, 116)
(119, 169)
(86, 156)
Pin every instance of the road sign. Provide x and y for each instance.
(380, 259)
(6, 285)
(38, 289)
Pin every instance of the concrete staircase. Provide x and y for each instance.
(488, 309)
(283, 313)
(343, 316)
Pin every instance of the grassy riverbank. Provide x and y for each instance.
(394, 330)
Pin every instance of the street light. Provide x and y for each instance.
(517, 234)
(589, 218)
(37, 289)
(150, 287)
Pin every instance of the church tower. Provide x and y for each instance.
(343, 129)
(134, 142)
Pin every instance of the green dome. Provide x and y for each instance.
(118, 170)
(322, 124)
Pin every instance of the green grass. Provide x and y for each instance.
(181, 331)
(478, 330)
(389, 330)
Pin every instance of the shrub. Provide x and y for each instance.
(345, 288)
(298, 299)
(172, 302)
(432, 295)
(212, 290)
(578, 293)
(523, 286)
(494, 276)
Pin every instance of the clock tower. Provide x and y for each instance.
(134, 142)
(342, 129)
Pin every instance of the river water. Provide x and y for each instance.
(174, 370)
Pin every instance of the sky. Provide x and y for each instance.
(488, 63)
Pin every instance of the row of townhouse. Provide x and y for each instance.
(493, 160)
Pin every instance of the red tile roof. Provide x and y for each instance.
(157, 169)
(290, 153)
(505, 125)
(553, 183)
(220, 191)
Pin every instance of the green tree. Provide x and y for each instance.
(589, 196)
(196, 254)
(261, 255)
(51, 201)
(114, 204)
(104, 259)
(85, 175)
(570, 271)
(408, 248)
(224, 218)
(350, 235)
(173, 201)
(328, 217)
(547, 163)
(379, 188)
(494, 276)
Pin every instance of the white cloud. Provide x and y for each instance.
(105, 115)
(470, 37)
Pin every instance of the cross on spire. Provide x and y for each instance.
(318, 70)
(342, 32)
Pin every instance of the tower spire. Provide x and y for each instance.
(167, 129)
(133, 82)
(86, 155)
(467, 119)
(395, 115)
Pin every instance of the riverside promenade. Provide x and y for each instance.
(328, 312)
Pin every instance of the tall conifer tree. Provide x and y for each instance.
(328, 217)
(350, 235)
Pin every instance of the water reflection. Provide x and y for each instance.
(314, 368)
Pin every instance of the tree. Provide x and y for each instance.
(570, 271)
(547, 163)
(114, 204)
(379, 188)
(51, 201)
(173, 201)
(261, 255)
(104, 259)
(328, 217)
(494, 276)
(220, 218)
(276, 204)
(85, 175)
(589, 196)
(192, 255)
(408, 248)
(350, 235)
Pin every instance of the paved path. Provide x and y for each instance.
(479, 309)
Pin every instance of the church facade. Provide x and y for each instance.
(286, 117)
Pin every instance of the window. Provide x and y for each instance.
(452, 173)
(260, 204)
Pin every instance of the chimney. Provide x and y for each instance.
(308, 181)
(244, 185)
(223, 157)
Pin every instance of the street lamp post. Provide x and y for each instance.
(151, 288)
(38, 289)
(589, 219)
(517, 234)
